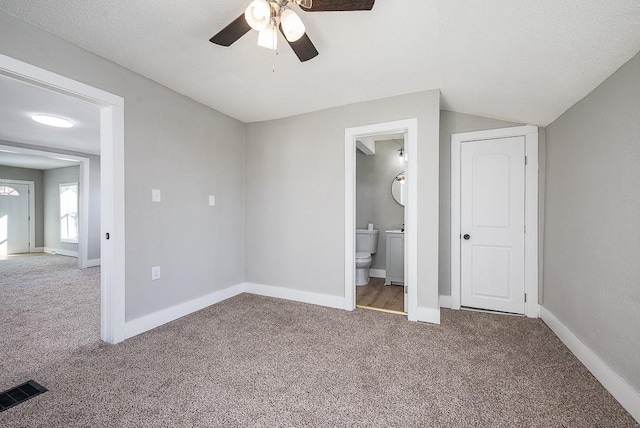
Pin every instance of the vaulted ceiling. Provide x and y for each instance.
(520, 60)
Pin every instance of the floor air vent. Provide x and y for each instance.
(16, 395)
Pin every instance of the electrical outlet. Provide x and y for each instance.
(156, 195)
(155, 273)
(212, 200)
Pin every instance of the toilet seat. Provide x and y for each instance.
(361, 255)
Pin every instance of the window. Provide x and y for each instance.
(8, 191)
(69, 212)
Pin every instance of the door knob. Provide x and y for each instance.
(467, 236)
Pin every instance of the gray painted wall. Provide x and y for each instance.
(295, 194)
(374, 202)
(454, 123)
(174, 144)
(38, 188)
(592, 232)
(52, 179)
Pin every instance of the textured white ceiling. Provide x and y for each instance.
(19, 101)
(521, 60)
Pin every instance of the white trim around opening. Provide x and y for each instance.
(531, 209)
(409, 127)
(112, 249)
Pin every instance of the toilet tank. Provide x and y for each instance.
(366, 241)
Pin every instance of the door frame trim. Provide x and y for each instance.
(112, 251)
(32, 208)
(531, 308)
(409, 127)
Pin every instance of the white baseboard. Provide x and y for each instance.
(378, 273)
(38, 250)
(295, 295)
(445, 301)
(626, 395)
(92, 263)
(429, 315)
(156, 319)
(60, 252)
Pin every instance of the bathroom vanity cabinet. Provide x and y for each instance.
(395, 257)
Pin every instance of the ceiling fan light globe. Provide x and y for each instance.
(292, 25)
(258, 14)
(268, 38)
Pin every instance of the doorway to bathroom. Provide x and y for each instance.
(380, 200)
(380, 218)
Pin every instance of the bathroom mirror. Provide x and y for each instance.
(399, 189)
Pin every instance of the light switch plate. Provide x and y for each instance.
(156, 196)
(155, 273)
(212, 200)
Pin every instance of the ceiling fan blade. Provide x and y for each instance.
(304, 49)
(339, 5)
(232, 32)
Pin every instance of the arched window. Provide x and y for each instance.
(8, 191)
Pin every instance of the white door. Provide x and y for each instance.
(14, 218)
(492, 224)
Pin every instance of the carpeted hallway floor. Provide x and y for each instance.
(262, 362)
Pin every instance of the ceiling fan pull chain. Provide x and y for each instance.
(275, 35)
(274, 62)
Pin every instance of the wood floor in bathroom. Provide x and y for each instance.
(377, 295)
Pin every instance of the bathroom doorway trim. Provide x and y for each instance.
(408, 127)
(112, 249)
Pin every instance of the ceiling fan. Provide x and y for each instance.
(265, 16)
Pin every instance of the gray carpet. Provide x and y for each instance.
(49, 309)
(262, 362)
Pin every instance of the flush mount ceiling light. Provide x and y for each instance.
(58, 122)
(265, 16)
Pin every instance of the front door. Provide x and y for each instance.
(492, 224)
(14, 218)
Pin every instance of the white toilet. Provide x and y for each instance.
(366, 245)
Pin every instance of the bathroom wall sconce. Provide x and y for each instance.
(402, 155)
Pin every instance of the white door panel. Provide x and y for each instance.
(14, 219)
(492, 218)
